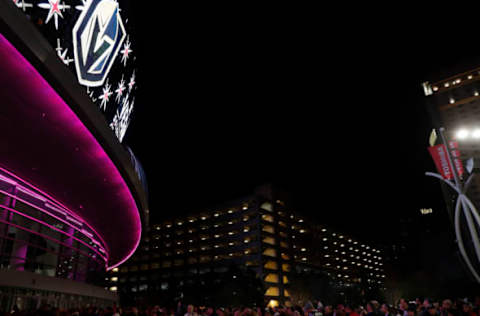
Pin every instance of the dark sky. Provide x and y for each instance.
(331, 111)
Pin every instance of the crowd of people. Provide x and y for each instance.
(425, 307)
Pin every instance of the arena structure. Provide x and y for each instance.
(73, 198)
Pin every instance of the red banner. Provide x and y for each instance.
(439, 155)
(440, 159)
(456, 157)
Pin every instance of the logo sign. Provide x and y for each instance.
(439, 155)
(97, 37)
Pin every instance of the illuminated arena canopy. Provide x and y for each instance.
(58, 146)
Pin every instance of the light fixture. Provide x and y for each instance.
(462, 134)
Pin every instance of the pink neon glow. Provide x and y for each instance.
(55, 229)
(44, 236)
(31, 193)
(56, 209)
(41, 210)
(54, 109)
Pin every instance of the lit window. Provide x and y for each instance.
(113, 289)
(272, 303)
(272, 278)
(303, 249)
(268, 218)
(286, 267)
(267, 206)
(115, 270)
(272, 291)
(272, 265)
(269, 240)
(270, 252)
(216, 214)
(268, 229)
(230, 211)
(114, 279)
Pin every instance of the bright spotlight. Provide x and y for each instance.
(462, 134)
(476, 133)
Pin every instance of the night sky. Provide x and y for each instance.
(332, 112)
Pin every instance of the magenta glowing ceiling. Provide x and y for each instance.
(46, 144)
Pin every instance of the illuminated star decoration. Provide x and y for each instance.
(81, 7)
(126, 51)
(62, 55)
(105, 96)
(119, 91)
(132, 82)
(121, 120)
(90, 94)
(55, 9)
(22, 4)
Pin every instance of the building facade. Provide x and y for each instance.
(453, 102)
(63, 170)
(259, 232)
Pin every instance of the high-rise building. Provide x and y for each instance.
(72, 197)
(259, 232)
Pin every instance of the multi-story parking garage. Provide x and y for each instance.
(260, 233)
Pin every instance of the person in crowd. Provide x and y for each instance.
(403, 307)
(385, 310)
(467, 309)
(190, 311)
(411, 310)
(349, 311)
(328, 311)
(431, 310)
(370, 310)
(446, 305)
